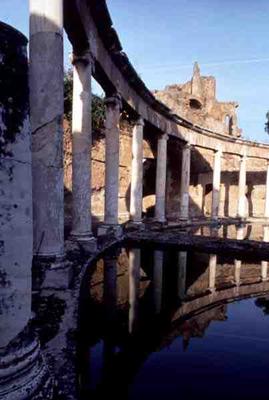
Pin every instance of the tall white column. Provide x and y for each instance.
(242, 187)
(81, 148)
(266, 209)
(134, 279)
(182, 273)
(185, 182)
(216, 184)
(46, 112)
(137, 172)
(161, 178)
(112, 132)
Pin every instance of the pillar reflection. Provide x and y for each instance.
(264, 264)
(182, 273)
(212, 272)
(134, 279)
(157, 280)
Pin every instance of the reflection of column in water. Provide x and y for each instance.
(157, 280)
(240, 231)
(264, 264)
(237, 271)
(182, 271)
(212, 272)
(110, 286)
(134, 279)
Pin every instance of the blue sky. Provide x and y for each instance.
(229, 39)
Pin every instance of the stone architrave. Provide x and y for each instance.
(161, 178)
(81, 150)
(185, 182)
(137, 173)
(216, 184)
(46, 113)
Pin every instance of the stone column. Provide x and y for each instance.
(266, 210)
(134, 279)
(212, 272)
(161, 178)
(112, 131)
(182, 272)
(237, 271)
(23, 373)
(137, 173)
(81, 150)
(46, 112)
(185, 182)
(241, 212)
(216, 184)
(157, 281)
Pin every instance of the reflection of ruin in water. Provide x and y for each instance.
(160, 300)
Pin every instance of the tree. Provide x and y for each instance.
(98, 106)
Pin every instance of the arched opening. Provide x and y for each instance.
(229, 124)
(195, 104)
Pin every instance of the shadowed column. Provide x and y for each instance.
(216, 184)
(185, 182)
(81, 149)
(137, 172)
(46, 112)
(161, 178)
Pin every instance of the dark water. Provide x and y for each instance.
(170, 325)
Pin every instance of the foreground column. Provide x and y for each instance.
(112, 130)
(46, 111)
(241, 212)
(81, 150)
(137, 173)
(216, 184)
(185, 182)
(161, 178)
(134, 279)
(266, 210)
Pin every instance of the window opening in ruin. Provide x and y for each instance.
(229, 124)
(195, 104)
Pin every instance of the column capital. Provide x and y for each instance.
(187, 146)
(114, 100)
(139, 122)
(85, 58)
(163, 136)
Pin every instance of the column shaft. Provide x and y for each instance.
(161, 178)
(185, 182)
(112, 130)
(137, 172)
(81, 147)
(242, 187)
(46, 112)
(266, 210)
(216, 184)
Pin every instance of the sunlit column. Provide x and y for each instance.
(185, 182)
(242, 187)
(161, 178)
(182, 273)
(216, 184)
(266, 210)
(81, 149)
(137, 172)
(158, 280)
(46, 112)
(134, 279)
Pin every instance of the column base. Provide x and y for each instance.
(23, 372)
(139, 225)
(86, 240)
(110, 229)
(55, 261)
